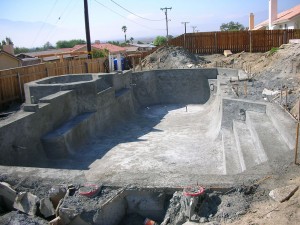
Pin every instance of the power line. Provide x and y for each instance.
(43, 25)
(126, 17)
(134, 13)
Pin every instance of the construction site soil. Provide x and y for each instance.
(277, 71)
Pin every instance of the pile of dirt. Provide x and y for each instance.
(276, 70)
(169, 57)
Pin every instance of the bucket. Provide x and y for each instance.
(149, 222)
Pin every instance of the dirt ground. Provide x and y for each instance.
(276, 70)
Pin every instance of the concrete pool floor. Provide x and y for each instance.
(161, 143)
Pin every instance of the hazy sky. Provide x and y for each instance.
(31, 23)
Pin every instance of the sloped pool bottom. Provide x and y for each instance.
(161, 143)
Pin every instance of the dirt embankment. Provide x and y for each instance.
(277, 70)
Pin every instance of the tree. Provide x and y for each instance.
(70, 43)
(114, 43)
(8, 41)
(48, 45)
(99, 53)
(131, 39)
(139, 42)
(124, 29)
(231, 26)
(160, 40)
(21, 50)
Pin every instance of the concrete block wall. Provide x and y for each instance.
(173, 86)
(20, 135)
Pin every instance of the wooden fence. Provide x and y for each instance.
(236, 41)
(12, 80)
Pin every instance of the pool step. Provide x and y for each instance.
(267, 140)
(231, 158)
(248, 156)
(284, 124)
(61, 142)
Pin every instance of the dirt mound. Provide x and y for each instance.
(276, 70)
(171, 58)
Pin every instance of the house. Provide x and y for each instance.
(8, 60)
(289, 19)
(112, 49)
(143, 47)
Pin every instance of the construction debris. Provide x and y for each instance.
(284, 193)
(8, 195)
(26, 203)
(46, 208)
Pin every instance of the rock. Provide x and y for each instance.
(56, 221)
(26, 203)
(203, 220)
(190, 65)
(8, 195)
(67, 214)
(284, 193)
(46, 207)
(241, 213)
(227, 53)
(57, 193)
(190, 223)
(79, 221)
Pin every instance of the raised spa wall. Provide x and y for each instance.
(62, 112)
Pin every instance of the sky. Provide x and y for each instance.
(32, 23)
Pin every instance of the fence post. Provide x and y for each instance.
(20, 85)
(216, 47)
(284, 37)
(250, 34)
(46, 70)
(86, 67)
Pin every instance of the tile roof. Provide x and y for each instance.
(110, 47)
(281, 17)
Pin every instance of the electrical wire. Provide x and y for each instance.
(126, 17)
(134, 13)
(60, 19)
(43, 25)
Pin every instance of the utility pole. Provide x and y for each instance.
(87, 29)
(185, 23)
(166, 13)
(194, 27)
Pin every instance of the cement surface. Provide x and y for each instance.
(161, 143)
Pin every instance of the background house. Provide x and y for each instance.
(289, 19)
(8, 60)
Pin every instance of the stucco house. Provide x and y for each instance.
(289, 19)
(8, 60)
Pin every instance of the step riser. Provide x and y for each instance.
(63, 142)
(239, 149)
(284, 124)
(256, 140)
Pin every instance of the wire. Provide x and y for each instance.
(126, 17)
(43, 25)
(134, 13)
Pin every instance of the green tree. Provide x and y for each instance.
(131, 40)
(160, 40)
(48, 45)
(70, 43)
(21, 50)
(140, 43)
(124, 29)
(231, 26)
(99, 53)
(114, 43)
